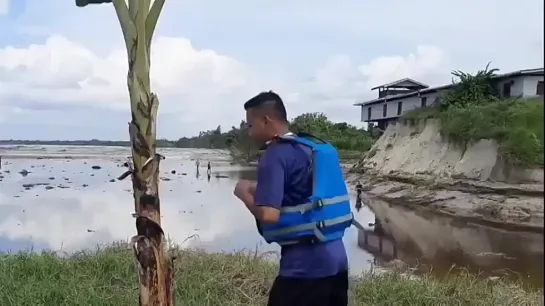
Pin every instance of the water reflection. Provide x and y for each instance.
(73, 203)
(426, 240)
(69, 205)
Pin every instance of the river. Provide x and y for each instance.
(61, 203)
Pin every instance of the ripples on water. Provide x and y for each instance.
(84, 208)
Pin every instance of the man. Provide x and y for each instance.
(310, 274)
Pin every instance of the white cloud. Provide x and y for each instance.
(428, 60)
(341, 82)
(196, 86)
(206, 63)
(63, 71)
(201, 87)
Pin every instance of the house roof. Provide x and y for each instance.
(403, 83)
(525, 72)
(535, 71)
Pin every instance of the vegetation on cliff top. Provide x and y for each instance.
(108, 277)
(473, 110)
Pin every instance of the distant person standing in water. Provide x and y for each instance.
(209, 170)
(359, 201)
(313, 264)
(197, 164)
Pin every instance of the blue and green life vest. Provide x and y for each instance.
(327, 213)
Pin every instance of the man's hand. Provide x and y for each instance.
(244, 187)
(245, 191)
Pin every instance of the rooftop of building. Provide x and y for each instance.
(427, 89)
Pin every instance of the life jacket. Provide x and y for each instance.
(326, 214)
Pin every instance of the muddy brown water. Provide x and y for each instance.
(444, 245)
(61, 203)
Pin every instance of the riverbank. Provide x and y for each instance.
(108, 277)
(475, 161)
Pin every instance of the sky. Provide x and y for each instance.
(63, 68)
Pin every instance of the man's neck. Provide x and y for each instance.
(282, 130)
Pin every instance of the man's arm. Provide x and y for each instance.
(264, 214)
(265, 203)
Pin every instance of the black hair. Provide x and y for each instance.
(270, 100)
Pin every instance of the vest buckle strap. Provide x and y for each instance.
(319, 203)
(319, 235)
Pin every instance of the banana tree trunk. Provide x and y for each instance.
(155, 267)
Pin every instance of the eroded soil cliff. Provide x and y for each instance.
(415, 167)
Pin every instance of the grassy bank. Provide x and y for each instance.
(517, 125)
(473, 109)
(108, 277)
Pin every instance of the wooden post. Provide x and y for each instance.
(155, 267)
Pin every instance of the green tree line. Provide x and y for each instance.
(348, 139)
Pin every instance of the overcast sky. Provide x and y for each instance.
(63, 68)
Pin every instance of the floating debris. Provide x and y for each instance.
(34, 185)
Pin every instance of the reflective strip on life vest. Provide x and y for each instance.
(292, 242)
(309, 226)
(317, 233)
(302, 208)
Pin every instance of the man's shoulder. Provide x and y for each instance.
(287, 153)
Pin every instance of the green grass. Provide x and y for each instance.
(517, 125)
(108, 277)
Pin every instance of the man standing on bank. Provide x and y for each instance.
(313, 264)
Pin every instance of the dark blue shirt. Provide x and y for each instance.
(284, 178)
